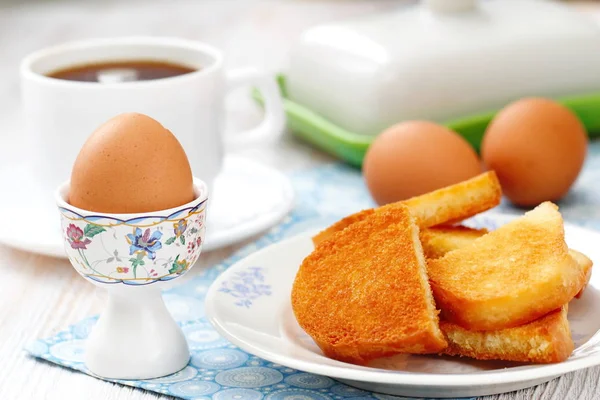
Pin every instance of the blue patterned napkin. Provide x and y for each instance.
(219, 370)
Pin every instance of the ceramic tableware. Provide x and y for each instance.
(453, 62)
(58, 115)
(440, 60)
(132, 256)
(249, 304)
(351, 146)
(247, 199)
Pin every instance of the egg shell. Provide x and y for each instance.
(131, 164)
(537, 148)
(416, 157)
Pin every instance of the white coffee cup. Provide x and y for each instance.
(60, 114)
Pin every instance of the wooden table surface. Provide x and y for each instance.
(39, 295)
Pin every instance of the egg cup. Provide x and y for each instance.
(133, 256)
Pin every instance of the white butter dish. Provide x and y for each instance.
(441, 60)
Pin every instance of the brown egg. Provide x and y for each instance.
(537, 147)
(416, 157)
(131, 164)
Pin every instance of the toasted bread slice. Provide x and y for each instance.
(510, 276)
(457, 202)
(364, 293)
(438, 241)
(545, 340)
(447, 205)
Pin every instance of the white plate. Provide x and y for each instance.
(248, 198)
(256, 315)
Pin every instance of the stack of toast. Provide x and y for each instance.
(407, 277)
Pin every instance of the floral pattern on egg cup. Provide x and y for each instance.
(135, 251)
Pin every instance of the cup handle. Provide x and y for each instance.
(273, 124)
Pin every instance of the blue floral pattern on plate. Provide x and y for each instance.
(318, 192)
(247, 286)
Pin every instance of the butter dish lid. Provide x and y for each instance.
(441, 60)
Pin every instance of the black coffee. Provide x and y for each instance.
(121, 71)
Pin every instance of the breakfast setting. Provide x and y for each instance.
(300, 200)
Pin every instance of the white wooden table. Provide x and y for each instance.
(41, 295)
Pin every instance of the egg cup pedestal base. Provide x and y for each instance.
(136, 337)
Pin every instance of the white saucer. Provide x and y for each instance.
(247, 198)
(249, 304)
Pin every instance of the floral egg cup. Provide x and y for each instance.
(132, 256)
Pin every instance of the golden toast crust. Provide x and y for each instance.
(455, 203)
(364, 293)
(447, 205)
(545, 340)
(341, 225)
